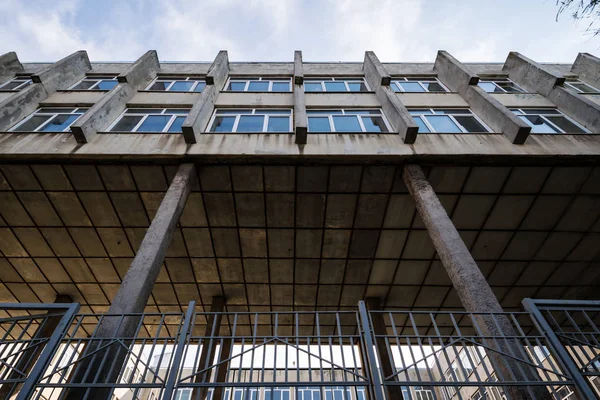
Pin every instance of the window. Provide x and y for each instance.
(50, 119)
(277, 393)
(422, 393)
(259, 85)
(309, 393)
(150, 120)
(346, 121)
(16, 84)
(418, 85)
(450, 120)
(578, 86)
(335, 85)
(500, 85)
(548, 120)
(251, 120)
(177, 84)
(183, 394)
(96, 83)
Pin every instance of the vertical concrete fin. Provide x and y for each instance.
(577, 106)
(9, 66)
(298, 68)
(21, 104)
(99, 117)
(587, 67)
(63, 73)
(453, 73)
(200, 114)
(142, 71)
(379, 81)
(532, 76)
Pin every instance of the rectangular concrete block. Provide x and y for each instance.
(218, 71)
(298, 68)
(64, 73)
(373, 67)
(532, 76)
(454, 74)
(577, 106)
(21, 104)
(300, 120)
(587, 67)
(140, 73)
(9, 66)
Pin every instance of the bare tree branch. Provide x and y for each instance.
(588, 10)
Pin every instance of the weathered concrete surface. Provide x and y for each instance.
(587, 67)
(398, 116)
(20, 105)
(300, 120)
(63, 73)
(166, 99)
(9, 66)
(141, 72)
(579, 107)
(455, 75)
(200, 114)
(341, 100)
(298, 69)
(63, 98)
(432, 100)
(530, 75)
(519, 100)
(254, 100)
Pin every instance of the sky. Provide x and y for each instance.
(270, 30)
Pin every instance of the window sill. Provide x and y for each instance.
(425, 92)
(167, 91)
(138, 133)
(344, 92)
(247, 133)
(249, 91)
(565, 134)
(459, 133)
(352, 133)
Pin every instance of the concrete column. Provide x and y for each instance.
(587, 67)
(59, 75)
(538, 78)
(223, 366)
(300, 120)
(201, 112)
(460, 79)
(99, 117)
(471, 286)
(379, 81)
(105, 360)
(213, 327)
(9, 66)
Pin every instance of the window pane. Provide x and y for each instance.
(154, 123)
(176, 125)
(538, 124)
(566, 125)
(537, 111)
(160, 85)
(374, 124)
(250, 123)
(411, 87)
(582, 87)
(451, 111)
(32, 123)
(106, 85)
(269, 111)
(357, 87)
(258, 86)
(346, 123)
(278, 124)
(443, 123)
(335, 86)
(395, 87)
(318, 124)
(489, 87)
(84, 85)
(144, 110)
(223, 124)
(182, 86)
(127, 123)
(177, 111)
(11, 85)
(200, 86)
(59, 123)
(323, 112)
(58, 110)
(470, 124)
(434, 87)
(237, 86)
(281, 86)
(422, 126)
(509, 87)
(313, 87)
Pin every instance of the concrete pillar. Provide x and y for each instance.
(300, 120)
(60, 75)
(29, 357)
(538, 78)
(9, 66)
(105, 360)
(99, 117)
(471, 286)
(213, 327)
(587, 67)
(223, 366)
(201, 112)
(460, 79)
(379, 81)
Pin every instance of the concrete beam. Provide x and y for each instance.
(577, 106)
(298, 68)
(200, 114)
(18, 106)
(99, 117)
(9, 66)
(379, 81)
(530, 75)
(63, 73)
(587, 67)
(453, 73)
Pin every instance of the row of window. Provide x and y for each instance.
(421, 84)
(224, 120)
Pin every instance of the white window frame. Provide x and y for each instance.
(495, 81)
(431, 112)
(74, 110)
(248, 80)
(543, 116)
(98, 79)
(197, 80)
(179, 393)
(160, 111)
(251, 111)
(420, 80)
(344, 110)
(345, 80)
(26, 82)
(569, 83)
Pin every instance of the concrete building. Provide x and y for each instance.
(284, 187)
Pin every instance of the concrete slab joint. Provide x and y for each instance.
(587, 67)
(9, 66)
(532, 76)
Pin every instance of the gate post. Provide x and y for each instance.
(376, 384)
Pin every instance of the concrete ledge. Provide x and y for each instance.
(63, 73)
(218, 71)
(587, 67)
(579, 107)
(496, 116)
(20, 105)
(337, 100)
(71, 99)
(432, 100)
(141, 72)
(453, 73)
(245, 99)
(518, 100)
(298, 69)
(532, 76)
(300, 120)
(9, 66)
(166, 99)
(99, 117)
